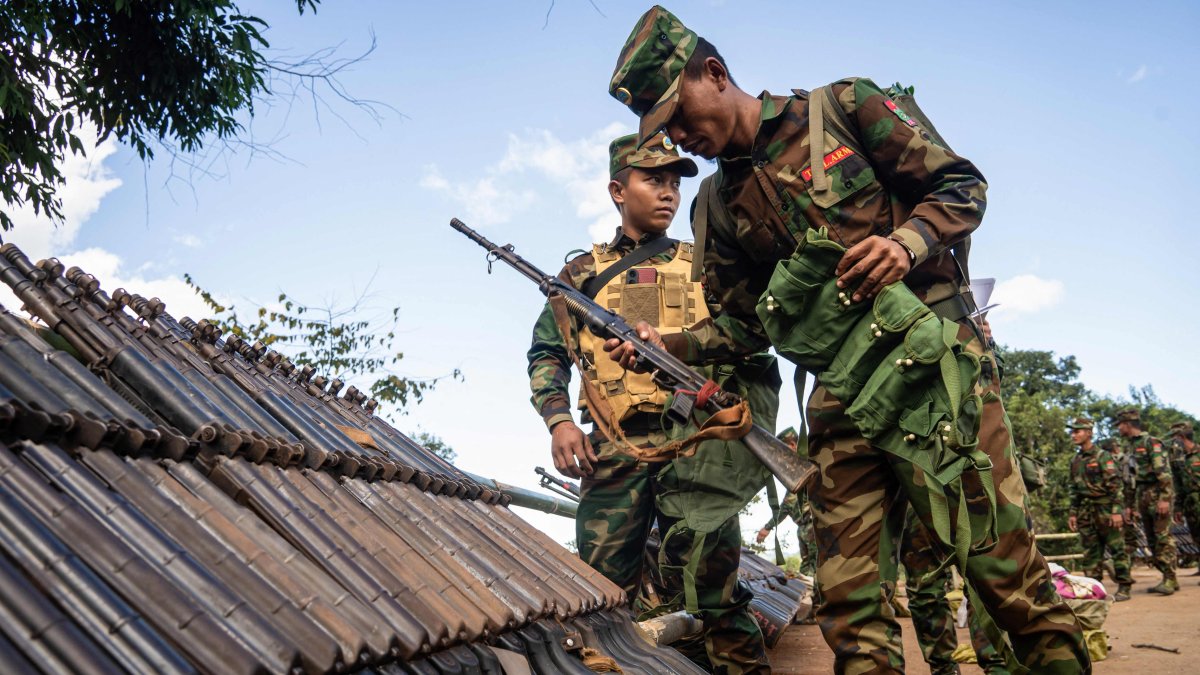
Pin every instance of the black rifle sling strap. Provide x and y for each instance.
(638, 255)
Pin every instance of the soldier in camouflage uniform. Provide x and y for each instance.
(1128, 475)
(1155, 492)
(898, 201)
(618, 493)
(795, 506)
(1187, 477)
(1097, 503)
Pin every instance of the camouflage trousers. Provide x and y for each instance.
(932, 617)
(808, 544)
(1096, 536)
(616, 513)
(1130, 535)
(1157, 529)
(1191, 514)
(859, 501)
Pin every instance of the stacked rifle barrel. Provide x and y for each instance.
(176, 501)
(778, 600)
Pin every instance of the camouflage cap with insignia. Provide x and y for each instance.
(788, 434)
(1130, 415)
(648, 70)
(1180, 429)
(1080, 423)
(656, 152)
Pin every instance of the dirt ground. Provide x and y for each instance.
(1172, 622)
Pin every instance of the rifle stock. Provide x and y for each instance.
(791, 469)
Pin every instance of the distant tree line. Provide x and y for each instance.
(1041, 393)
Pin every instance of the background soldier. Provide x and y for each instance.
(898, 202)
(1097, 503)
(1155, 492)
(795, 506)
(621, 497)
(1187, 477)
(1128, 473)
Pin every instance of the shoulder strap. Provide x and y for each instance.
(709, 207)
(638, 255)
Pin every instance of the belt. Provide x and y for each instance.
(953, 308)
(642, 423)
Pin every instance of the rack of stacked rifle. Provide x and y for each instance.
(779, 601)
(171, 501)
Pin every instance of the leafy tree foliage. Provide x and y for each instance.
(1041, 392)
(149, 72)
(436, 445)
(343, 342)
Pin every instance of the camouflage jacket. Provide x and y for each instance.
(1095, 481)
(1152, 462)
(1187, 473)
(894, 180)
(793, 506)
(549, 363)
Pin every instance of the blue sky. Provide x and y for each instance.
(1077, 113)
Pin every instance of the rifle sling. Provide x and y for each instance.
(641, 254)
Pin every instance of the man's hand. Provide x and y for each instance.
(625, 353)
(1178, 518)
(1072, 524)
(762, 534)
(876, 261)
(1129, 515)
(571, 450)
(1117, 520)
(1163, 507)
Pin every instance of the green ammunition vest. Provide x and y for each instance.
(908, 383)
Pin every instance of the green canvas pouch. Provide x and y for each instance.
(872, 342)
(803, 312)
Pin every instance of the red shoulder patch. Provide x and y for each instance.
(891, 105)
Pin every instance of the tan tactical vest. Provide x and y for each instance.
(659, 293)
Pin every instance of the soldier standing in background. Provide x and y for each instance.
(1155, 491)
(622, 496)
(1187, 478)
(898, 202)
(1097, 503)
(795, 506)
(1128, 473)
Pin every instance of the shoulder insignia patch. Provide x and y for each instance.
(831, 160)
(891, 105)
(1093, 465)
(1139, 450)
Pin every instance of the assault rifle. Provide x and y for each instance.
(671, 373)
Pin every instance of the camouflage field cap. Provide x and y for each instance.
(654, 153)
(1130, 415)
(1080, 423)
(1180, 429)
(649, 68)
(788, 435)
(1108, 444)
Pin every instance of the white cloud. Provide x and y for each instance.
(577, 168)
(1026, 294)
(189, 240)
(1138, 75)
(88, 181)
